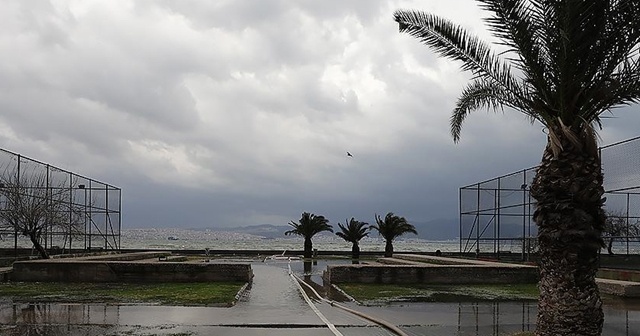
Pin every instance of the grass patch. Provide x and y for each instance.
(187, 294)
(440, 293)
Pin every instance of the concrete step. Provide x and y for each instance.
(396, 261)
(428, 259)
(628, 289)
(173, 258)
(128, 256)
(5, 273)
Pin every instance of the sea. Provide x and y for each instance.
(195, 239)
(178, 239)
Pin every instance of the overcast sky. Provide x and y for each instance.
(240, 112)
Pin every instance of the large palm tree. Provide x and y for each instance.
(308, 226)
(391, 228)
(566, 63)
(352, 231)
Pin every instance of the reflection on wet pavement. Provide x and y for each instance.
(273, 306)
(274, 298)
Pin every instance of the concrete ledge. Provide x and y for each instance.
(619, 288)
(430, 274)
(416, 268)
(122, 271)
(396, 261)
(619, 274)
(5, 273)
(173, 258)
(122, 257)
(452, 261)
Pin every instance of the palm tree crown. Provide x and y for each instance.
(574, 59)
(391, 228)
(308, 226)
(353, 231)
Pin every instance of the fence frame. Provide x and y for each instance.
(484, 215)
(100, 204)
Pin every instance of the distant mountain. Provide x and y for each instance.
(437, 229)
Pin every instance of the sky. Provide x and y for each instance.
(240, 112)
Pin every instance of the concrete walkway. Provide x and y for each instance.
(273, 305)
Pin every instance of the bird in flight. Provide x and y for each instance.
(349, 154)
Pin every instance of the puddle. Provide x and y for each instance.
(273, 306)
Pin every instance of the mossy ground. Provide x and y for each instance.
(371, 293)
(186, 294)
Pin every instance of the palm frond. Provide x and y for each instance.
(392, 226)
(453, 41)
(574, 59)
(309, 225)
(479, 94)
(613, 62)
(518, 23)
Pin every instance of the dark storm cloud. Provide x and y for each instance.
(223, 113)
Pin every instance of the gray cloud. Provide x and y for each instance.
(223, 113)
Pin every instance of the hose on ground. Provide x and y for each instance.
(313, 307)
(380, 322)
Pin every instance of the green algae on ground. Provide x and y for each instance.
(371, 293)
(187, 294)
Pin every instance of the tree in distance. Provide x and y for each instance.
(33, 204)
(353, 231)
(566, 63)
(618, 226)
(308, 226)
(391, 228)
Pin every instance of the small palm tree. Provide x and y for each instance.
(391, 228)
(352, 232)
(308, 226)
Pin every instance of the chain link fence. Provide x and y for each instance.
(496, 214)
(87, 214)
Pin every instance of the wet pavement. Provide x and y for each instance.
(274, 306)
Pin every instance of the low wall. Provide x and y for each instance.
(620, 261)
(123, 271)
(430, 274)
(627, 289)
(619, 274)
(5, 273)
(112, 256)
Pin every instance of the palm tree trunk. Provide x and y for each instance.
(388, 249)
(355, 251)
(568, 190)
(308, 247)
